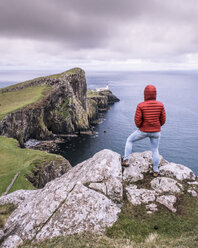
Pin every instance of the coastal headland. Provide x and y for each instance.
(45, 109)
(46, 203)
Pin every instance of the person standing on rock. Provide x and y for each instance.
(149, 117)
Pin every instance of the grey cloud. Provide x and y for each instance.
(87, 23)
(108, 29)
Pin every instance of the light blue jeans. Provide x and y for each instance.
(139, 135)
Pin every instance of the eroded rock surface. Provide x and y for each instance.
(192, 192)
(166, 184)
(179, 171)
(154, 192)
(168, 201)
(70, 204)
(17, 197)
(86, 210)
(140, 163)
(12, 241)
(152, 207)
(138, 196)
(90, 195)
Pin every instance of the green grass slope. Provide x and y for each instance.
(13, 100)
(13, 159)
(59, 75)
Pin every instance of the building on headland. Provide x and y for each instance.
(105, 88)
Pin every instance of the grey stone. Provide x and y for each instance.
(83, 210)
(99, 186)
(193, 183)
(179, 171)
(1, 234)
(165, 184)
(68, 202)
(18, 197)
(139, 163)
(168, 201)
(12, 241)
(89, 198)
(151, 207)
(138, 196)
(192, 192)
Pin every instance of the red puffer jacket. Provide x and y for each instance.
(150, 115)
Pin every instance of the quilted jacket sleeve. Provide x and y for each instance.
(138, 116)
(163, 116)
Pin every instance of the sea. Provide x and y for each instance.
(178, 90)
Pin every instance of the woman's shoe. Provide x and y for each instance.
(155, 174)
(125, 163)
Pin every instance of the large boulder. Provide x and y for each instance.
(140, 163)
(87, 198)
(179, 171)
(166, 184)
(142, 188)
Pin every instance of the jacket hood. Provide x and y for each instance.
(150, 93)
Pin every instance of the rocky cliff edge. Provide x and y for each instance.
(89, 197)
(64, 109)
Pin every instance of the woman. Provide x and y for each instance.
(149, 117)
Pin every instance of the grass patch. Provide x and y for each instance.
(93, 93)
(14, 159)
(135, 224)
(59, 75)
(63, 110)
(5, 211)
(102, 241)
(13, 100)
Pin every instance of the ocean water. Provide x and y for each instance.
(176, 89)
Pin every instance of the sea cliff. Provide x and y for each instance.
(65, 107)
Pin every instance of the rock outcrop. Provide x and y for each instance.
(98, 102)
(45, 172)
(90, 195)
(64, 109)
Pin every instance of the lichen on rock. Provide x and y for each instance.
(89, 197)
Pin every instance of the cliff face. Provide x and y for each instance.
(66, 108)
(99, 101)
(62, 110)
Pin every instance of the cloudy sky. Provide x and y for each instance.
(99, 34)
